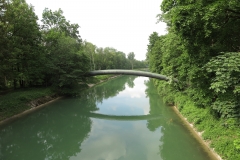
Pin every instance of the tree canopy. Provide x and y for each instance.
(50, 54)
(201, 49)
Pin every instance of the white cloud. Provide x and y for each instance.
(122, 24)
(138, 91)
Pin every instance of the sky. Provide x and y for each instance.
(121, 24)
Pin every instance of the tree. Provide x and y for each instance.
(66, 65)
(202, 37)
(154, 54)
(56, 21)
(90, 49)
(131, 57)
(20, 39)
(66, 60)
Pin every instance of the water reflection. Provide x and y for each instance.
(45, 136)
(176, 141)
(119, 140)
(156, 107)
(115, 120)
(58, 131)
(113, 88)
(123, 117)
(125, 137)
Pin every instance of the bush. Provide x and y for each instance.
(220, 132)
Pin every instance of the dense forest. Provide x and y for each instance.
(51, 53)
(201, 50)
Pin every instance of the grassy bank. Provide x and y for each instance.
(16, 101)
(98, 79)
(222, 134)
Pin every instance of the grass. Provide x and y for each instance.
(220, 132)
(97, 79)
(16, 101)
(223, 134)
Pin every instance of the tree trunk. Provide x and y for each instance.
(5, 80)
(14, 83)
(21, 83)
(93, 62)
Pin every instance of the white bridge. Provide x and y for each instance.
(129, 72)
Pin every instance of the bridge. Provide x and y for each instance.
(121, 117)
(129, 72)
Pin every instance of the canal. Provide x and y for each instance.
(123, 119)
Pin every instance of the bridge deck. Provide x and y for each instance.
(129, 72)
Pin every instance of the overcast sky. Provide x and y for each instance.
(122, 24)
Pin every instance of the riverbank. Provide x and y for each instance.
(218, 134)
(19, 103)
(101, 79)
(31, 110)
(222, 134)
(20, 100)
(197, 134)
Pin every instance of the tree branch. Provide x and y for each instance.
(230, 10)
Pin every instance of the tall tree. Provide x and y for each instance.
(131, 57)
(66, 58)
(202, 37)
(90, 51)
(20, 39)
(56, 21)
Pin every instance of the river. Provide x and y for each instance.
(122, 119)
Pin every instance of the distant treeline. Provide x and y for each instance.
(50, 54)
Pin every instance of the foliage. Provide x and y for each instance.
(225, 83)
(226, 69)
(131, 57)
(204, 59)
(201, 50)
(109, 58)
(89, 50)
(236, 143)
(66, 61)
(220, 133)
(50, 54)
(57, 22)
(154, 54)
(20, 39)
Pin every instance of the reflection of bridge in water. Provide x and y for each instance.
(121, 117)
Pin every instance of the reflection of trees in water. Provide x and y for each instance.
(104, 91)
(57, 136)
(57, 133)
(130, 81)
(175, 140)
(155, 106)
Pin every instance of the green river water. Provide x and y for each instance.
(122, 119)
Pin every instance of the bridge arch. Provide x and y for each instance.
(129, 72)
